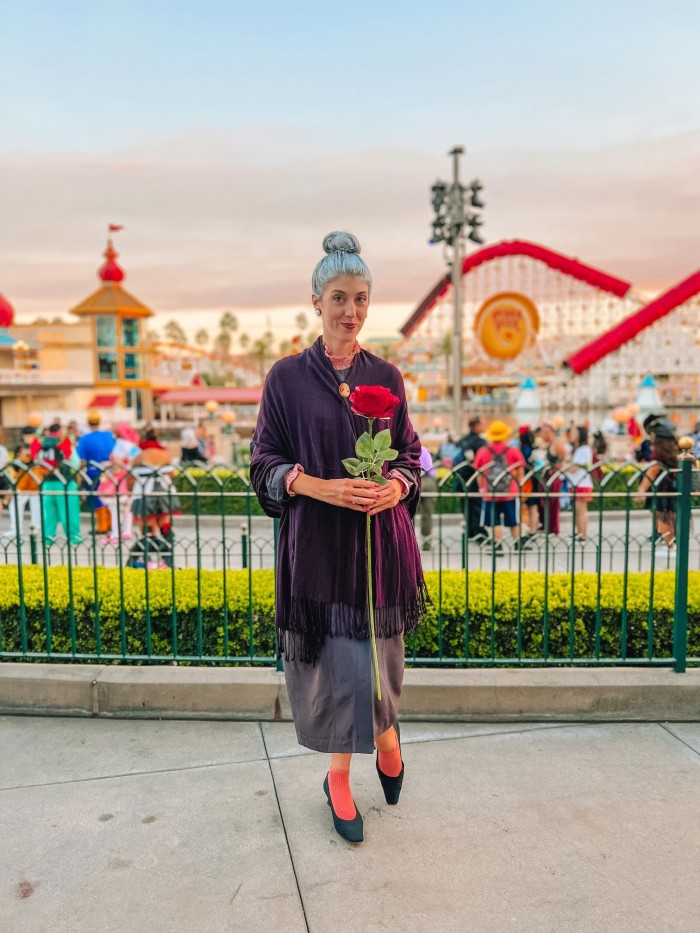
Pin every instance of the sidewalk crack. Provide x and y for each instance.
(670, 731)
(284, 830)
(129, 774)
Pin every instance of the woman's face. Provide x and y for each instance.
(343, 306)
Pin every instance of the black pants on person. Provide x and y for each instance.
(472, 515)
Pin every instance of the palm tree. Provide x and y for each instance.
(244, 340)
(261, 350)
(201, 338)
(175, 333)
(302, 322)
(223, 344)
(285, 347)
(228, 322)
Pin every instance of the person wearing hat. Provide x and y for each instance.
(500, 469)
(94, 449)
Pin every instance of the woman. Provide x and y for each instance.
(579, 476)
(529, 516)
(149, 439)
(600, 449)
(555, 455)
(304, 431)
(154, 499)
(191, 451)
(661, 478)
(117, 482)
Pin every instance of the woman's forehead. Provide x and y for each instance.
(349, 284)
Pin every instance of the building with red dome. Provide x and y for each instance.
(100, 360)
(120, 360)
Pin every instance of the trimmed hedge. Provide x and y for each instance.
(210, 600)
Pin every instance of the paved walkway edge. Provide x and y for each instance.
(538, 694)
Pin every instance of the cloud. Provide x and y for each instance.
(216, 221)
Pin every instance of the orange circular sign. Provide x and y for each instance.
(506, 324)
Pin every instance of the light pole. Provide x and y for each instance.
(451, 218)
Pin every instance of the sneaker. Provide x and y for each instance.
(522, 544)
(496, 548)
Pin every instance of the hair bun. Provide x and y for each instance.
(340, 241)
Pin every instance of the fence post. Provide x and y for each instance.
(680, 610)
(275, 541)
(33, 553)
(244, 545)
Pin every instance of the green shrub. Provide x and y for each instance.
(202, 608)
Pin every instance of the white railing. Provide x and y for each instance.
(44, 377)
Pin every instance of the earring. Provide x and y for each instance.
(318, 311)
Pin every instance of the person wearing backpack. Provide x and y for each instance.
(60, 502)
(501, 469)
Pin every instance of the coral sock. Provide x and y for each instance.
(341, 795)
(390, 762)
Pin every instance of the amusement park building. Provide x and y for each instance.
(103, 361)
(586, 336)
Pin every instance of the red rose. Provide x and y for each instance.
(373, 402)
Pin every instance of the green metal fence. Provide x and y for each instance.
(199, 588)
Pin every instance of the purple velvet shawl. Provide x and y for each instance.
(322, 556)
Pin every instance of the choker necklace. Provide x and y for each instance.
(342, 361)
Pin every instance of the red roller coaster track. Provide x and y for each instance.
(613, 339)
(549, 257)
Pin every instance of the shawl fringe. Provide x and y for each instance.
(302, 634)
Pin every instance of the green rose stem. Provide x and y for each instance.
(370, 593)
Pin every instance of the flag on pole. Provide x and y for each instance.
(114, 227)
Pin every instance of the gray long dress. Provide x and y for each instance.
(334, 702)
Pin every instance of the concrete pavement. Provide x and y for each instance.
(181, 826)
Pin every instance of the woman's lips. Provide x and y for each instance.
(349, 326)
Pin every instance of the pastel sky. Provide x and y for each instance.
(229, 136)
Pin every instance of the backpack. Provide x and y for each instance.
(498, 479)
(54, 455)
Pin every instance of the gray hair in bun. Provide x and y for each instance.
(343, 259)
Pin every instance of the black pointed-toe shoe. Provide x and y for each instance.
(351, 830)
(392, 785)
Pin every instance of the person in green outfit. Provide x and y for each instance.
(60, 502)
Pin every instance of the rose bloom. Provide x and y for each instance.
(373, 402)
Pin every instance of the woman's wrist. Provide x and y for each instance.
(305, 485)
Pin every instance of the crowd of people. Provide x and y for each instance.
(521, 479)
(124, 476)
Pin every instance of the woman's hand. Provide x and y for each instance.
(389, 496)
(355, 494)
